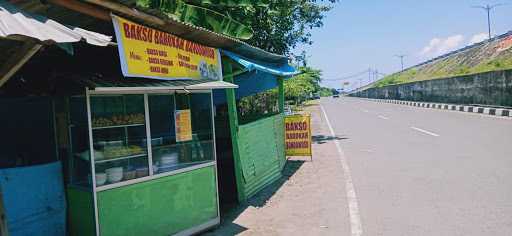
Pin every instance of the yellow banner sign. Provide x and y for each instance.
(183, 125)
(298, 135)
(149, 53)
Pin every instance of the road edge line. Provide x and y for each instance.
(356, 228)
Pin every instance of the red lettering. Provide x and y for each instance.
(126, 28)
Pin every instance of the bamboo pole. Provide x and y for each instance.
(15, 62)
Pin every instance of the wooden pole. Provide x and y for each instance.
(280, 101)
(233, 125)
(280, 82)
(3, 218)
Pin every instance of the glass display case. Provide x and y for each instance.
(156, 146)
(134, 136)
(119, 138)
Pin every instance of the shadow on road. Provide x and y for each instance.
(228, 227)
(321, 139)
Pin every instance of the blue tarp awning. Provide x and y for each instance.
(277, 69)
(259, 76)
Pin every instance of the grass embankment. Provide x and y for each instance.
(476, 60)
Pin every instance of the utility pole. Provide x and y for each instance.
(401, 60)
(488, 9)
(369, 75)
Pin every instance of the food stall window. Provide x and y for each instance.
(181, 130)
(202, 126)
(119, 138)
(163, 139)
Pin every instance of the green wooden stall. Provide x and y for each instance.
(258, 146)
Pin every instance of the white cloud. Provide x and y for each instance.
(478, 38)
(439, 46)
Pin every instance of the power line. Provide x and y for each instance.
(349, 76)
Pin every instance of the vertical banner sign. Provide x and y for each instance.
(298, 135)
(183, 125)
(149, 53)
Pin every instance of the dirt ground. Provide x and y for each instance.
(308, 200)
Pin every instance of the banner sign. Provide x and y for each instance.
(183, 125)
(149, 53)
(298, 135)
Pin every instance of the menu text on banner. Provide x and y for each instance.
(149, 53)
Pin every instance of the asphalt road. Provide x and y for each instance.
(419, 171)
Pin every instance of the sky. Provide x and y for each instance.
(358, 35)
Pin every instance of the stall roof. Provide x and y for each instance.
(138, 84)
(15, 22)
(154, 18)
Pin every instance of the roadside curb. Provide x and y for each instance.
(502, 112)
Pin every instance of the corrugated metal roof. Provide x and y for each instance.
(133, 84)
(15, 22)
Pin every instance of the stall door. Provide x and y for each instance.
(34, 200)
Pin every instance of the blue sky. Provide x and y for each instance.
(359, 34)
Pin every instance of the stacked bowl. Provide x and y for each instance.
(114, 175)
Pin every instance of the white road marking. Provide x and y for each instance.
(366, 111)
(425, 131)
(383, 117)
(356, 227)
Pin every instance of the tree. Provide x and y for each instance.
(273, 25)
(303, 85)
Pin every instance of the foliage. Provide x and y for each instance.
(257, 106)
(325, 92)
(297, 89)
(273, 25)
(199, 16)
(282, 24)
(301, 86)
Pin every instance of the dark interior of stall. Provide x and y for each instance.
(228, 195)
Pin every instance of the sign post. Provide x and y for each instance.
(298, 135)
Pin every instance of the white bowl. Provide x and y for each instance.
(114, 178)
(101, 178)
(169, 159)
(114, 170)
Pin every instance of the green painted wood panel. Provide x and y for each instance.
(80, 212)
(159, 207)
(261, 152)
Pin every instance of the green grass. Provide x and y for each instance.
(445, 68)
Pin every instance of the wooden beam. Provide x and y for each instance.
(119, 8)
(83, 8)
(14, 63)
